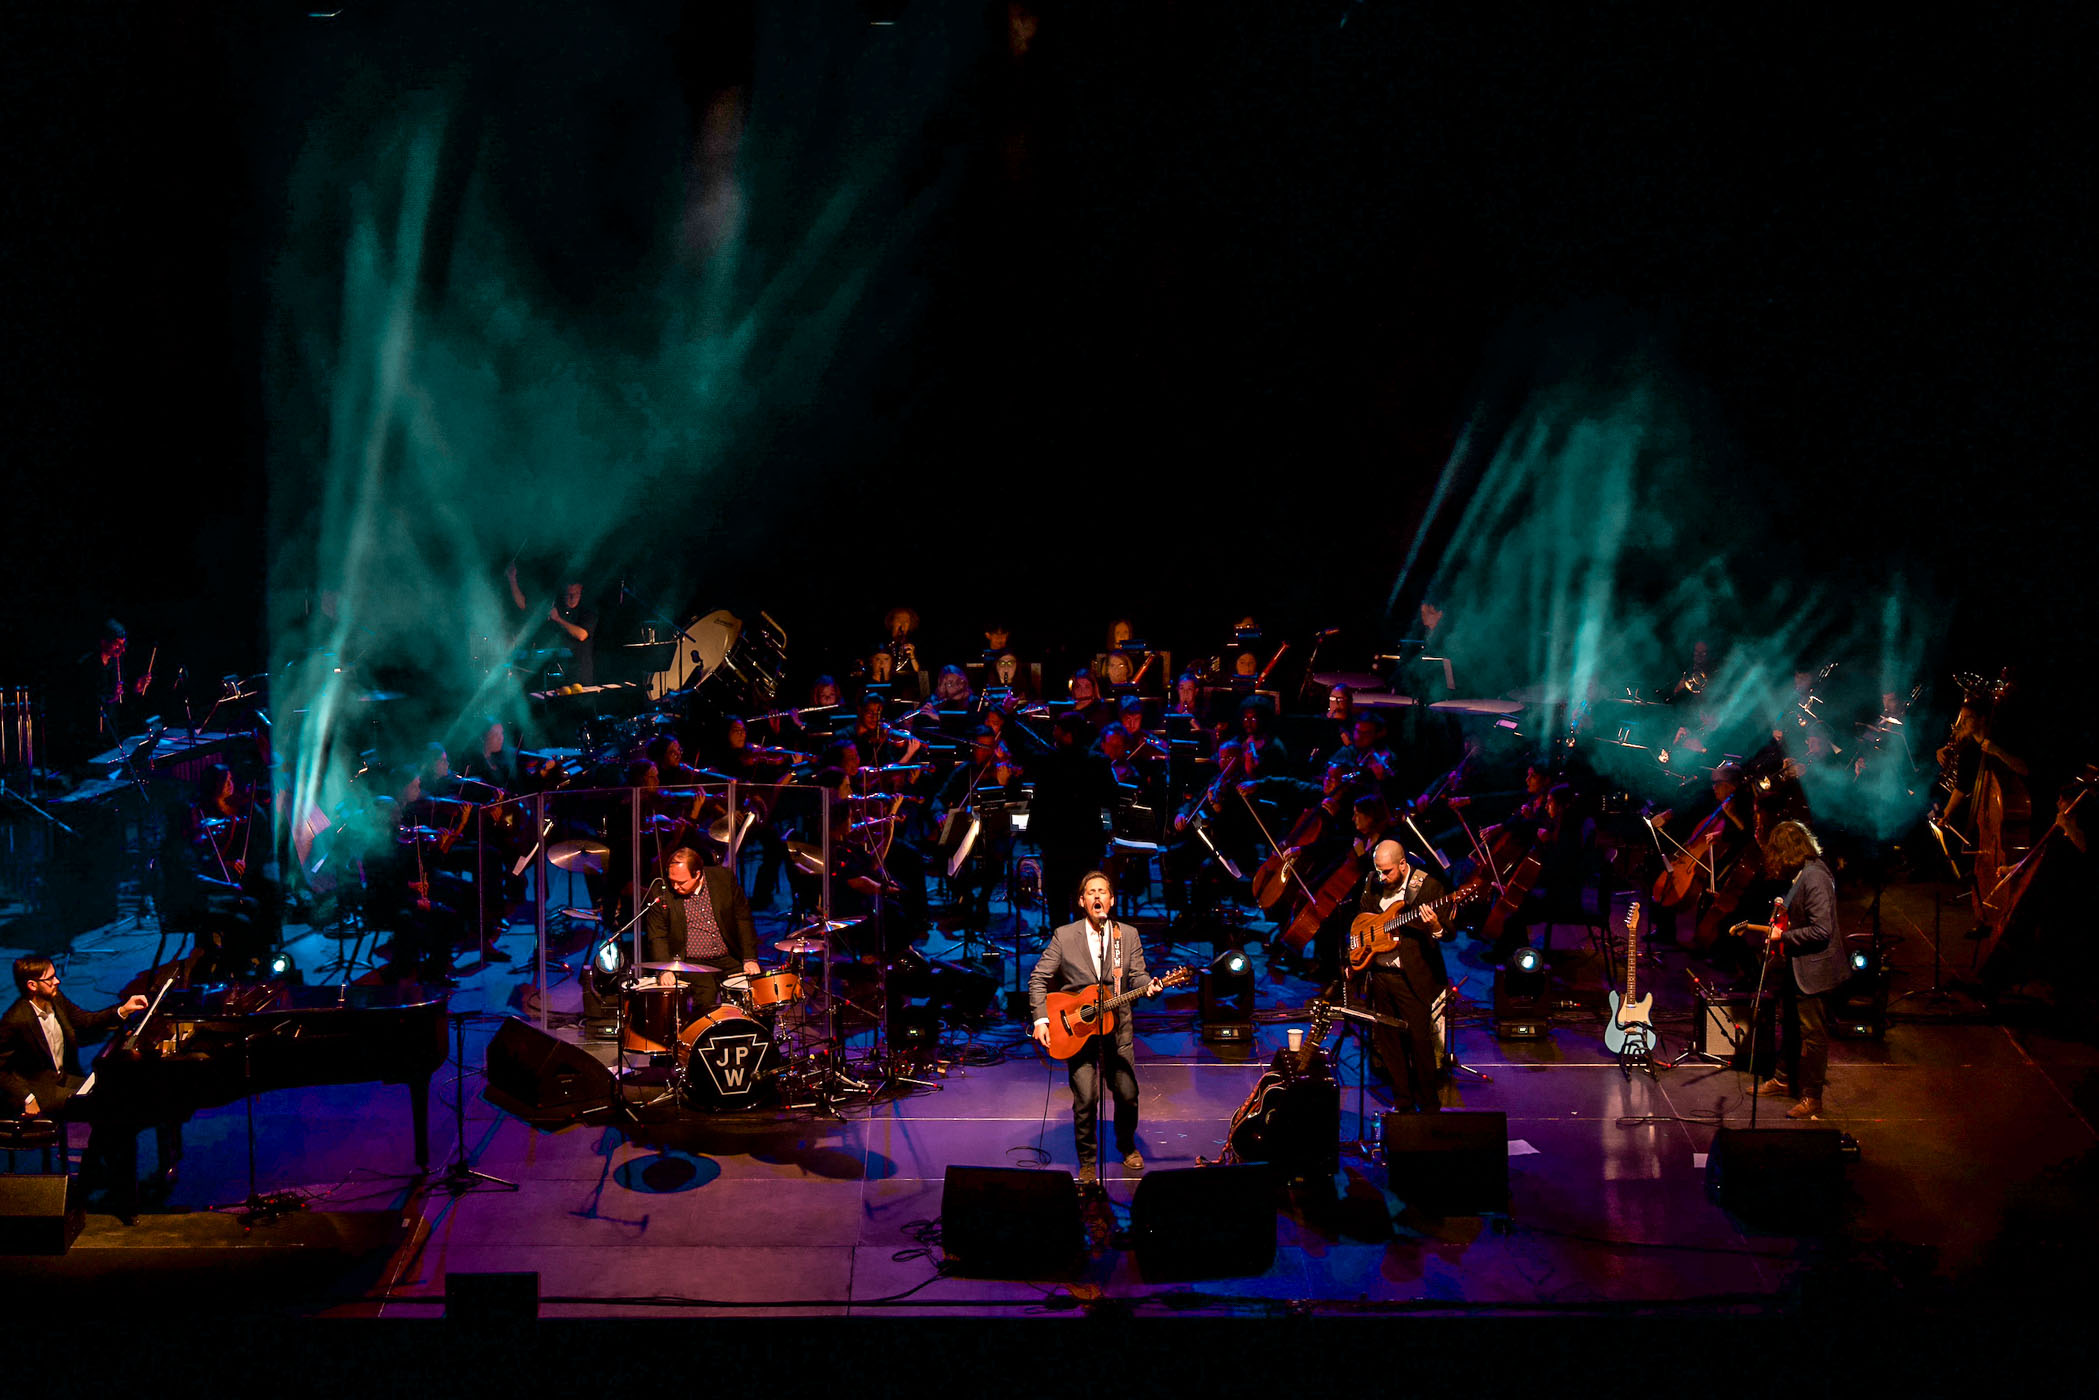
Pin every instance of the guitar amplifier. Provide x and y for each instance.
(1720, 1027)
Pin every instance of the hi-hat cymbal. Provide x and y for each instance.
(681, 965)
(579, 855)
(799, 945)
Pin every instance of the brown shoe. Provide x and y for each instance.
(1089, 1175)
(1774, 1089)
(1806, 1108)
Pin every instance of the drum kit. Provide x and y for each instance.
(758, 1047)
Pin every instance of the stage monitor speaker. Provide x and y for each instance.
(544, 1076)
(507, 1299)
(1778, 1176)
(1204, 1222)
(38, 1214)
(1009, 1222)
(1455, 1162)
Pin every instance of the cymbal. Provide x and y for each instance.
(799, 945)
(579, 855)
(680, 965)
(806, 858)
(423, 833)
(720, 831)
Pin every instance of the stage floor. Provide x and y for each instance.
(1975, 1168)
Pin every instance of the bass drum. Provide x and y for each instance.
(726, 1061)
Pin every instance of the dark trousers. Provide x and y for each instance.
(1085, 1070)
(1409, 1056)
(1804, 1054)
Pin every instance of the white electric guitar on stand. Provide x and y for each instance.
(1630, 1028)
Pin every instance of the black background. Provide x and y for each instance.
(1207, 356)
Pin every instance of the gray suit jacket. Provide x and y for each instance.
(1814, 947)
(1066, 965)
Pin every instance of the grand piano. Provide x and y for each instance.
(203, 1046)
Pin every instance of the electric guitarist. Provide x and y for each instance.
(1095, 951)
(1406, 980)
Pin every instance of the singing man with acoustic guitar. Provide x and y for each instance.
(1406, 981)
(1093, 951)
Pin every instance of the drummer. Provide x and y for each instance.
(700, 918)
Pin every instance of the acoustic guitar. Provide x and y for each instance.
(1076, 1017)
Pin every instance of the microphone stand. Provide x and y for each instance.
(460, 1176)
(616, 1092)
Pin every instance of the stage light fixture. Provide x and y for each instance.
(1225, 1002)
(280, 966)
(610, 957)
(1859, 1009)
(1522, 1006)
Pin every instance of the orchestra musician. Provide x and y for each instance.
(1408, 981)
(699, 916)
(492, 761)
(1087, 704)
(1262, 754)
(205, 879)
(1815, 964)
(106, 706)
(1072, 789)
(988, 774)
(1095, 950)
(574, 625)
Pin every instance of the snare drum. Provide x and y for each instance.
(775, 989)
(736, 990)
(726, 1061)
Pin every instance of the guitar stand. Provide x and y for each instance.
(1637, 1052)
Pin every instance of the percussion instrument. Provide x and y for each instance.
(651, 1015)
(775, 989)
(579, 855)
(736, 989)
(726, 1061)
(680, 965)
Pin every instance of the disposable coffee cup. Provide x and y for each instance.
(1297, 1038)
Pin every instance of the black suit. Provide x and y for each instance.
(663, 929)
(1405, 983)
(25, 1056)
(1067, 965)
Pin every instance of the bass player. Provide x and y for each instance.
(1406, 982)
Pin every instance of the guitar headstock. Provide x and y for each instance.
(1632, 916)
(1180, 976)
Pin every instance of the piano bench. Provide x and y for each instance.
(30, 1135)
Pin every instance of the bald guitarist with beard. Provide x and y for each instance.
(1406, 982)
(1092, 951)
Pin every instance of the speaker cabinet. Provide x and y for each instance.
(1784, 1177)
(38, 1214)
(1008, 1222)
(541, 1076)
(1455, 1162)
(1204, 1222)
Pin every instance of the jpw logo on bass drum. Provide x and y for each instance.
(729, 1060)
